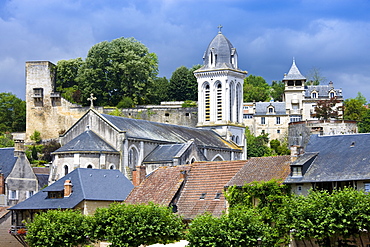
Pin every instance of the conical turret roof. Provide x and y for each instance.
(294, 73)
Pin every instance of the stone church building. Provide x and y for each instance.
(103, 141)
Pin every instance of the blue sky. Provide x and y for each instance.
(332, 35)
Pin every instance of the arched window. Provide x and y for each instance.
(238, 102)
(133, 158)
(65, 170)
(232, 101)
(332, 94)
(314, 95)
(112, 167)
(219, 101)
(207, 103)
(237, 139)
(89, 166)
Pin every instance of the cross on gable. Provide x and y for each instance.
(91, 99)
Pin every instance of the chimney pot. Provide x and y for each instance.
(138, 175)
(2, 184)
(67, 188)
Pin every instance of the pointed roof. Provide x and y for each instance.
(294, 73)
(88, 184)
(88, 141)
(7, 160)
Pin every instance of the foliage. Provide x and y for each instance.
(13, 113)
(257, 145)
(48, 148)
(126, 102)
(364, 125)
(277, 90)
(314, 77)
(240, 227)
(36, 136)
(183, 84)
(279, 148)
(326, 109)
(6, 140)
(255, 89)
(159, 91)
(354, 109)
(58, 228)
(331, 219)
(133, 225)
(189, 103)
(34, 153)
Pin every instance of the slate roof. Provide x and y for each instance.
(159, 187)
(42, 175)
(294, 73)
(88, 184)
(261, 108)
(7, 161)
(164, 152)
(262, 169)
(322, 91)
(338, 158)
(168, 133)
(87, 141)
(209, 178)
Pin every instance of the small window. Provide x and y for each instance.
(367, 187)
(167, 114)
(187, 114)
(263, 132)
(218, 195)
(314, 95)
(263, 120)
(332, 95)
(271, 110)
(13, 195)
(65, 170)
(296, 171)
(89, 166)
(278, 131)
(277, 120)
(29, 193)
(202, 196)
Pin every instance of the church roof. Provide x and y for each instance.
(262, 169)
(88, 184)
(164, 152)
(7, 161)
(335, 158)
(168, 133)
(294, 73)
(87, 141)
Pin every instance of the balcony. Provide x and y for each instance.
(19, 232)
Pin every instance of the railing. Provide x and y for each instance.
(19, 232)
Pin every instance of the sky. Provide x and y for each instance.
(331, 36)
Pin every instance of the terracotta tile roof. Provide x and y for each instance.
(159, 187)
(3, 211)
(207, 179)
(262, 169)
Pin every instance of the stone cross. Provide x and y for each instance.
(91, 99)
(219, 28)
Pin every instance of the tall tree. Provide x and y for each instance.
(67, 73)
(13, 113)
(183, 84)
(255, 89)
(117, 69)
(354, 108)
(314, 77)
(277, 90)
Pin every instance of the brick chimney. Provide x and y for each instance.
(295, 152)
(2, 184)
(138, 175)
(18, 139)
(67, 188)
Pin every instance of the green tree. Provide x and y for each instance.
(277, 90)
(326, 109)
(354, 108)
(134, 225)
(66, 82)
(183, 84)
(279, 148)
(159, 91)
(257, 145)
(113, 70)
(332, 219)
(6, 140)
(58, 228)
(314, 77)
(364, 124)
(13, 113)
(255, 89)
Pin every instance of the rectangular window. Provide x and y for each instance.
(367, 187)
(247, 116)
(296, 171)
(278, 131)
(263, 120)
(277, 120)
(29, 193)
(13, 194)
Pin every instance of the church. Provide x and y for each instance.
(103, 141)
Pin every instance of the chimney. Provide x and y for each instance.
(67, 188)
(183, 174)
(295, 152)
(18, 139)
(138, 175)
(2, 184)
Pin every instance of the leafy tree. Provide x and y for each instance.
(364, 125)
(314, 77)
(58, 228)
(113, 70)
(279, 148)
(134, 225)
(332, 219)
(36, 136)
(13, 113)
(159, 91)
(6, 140)
(326, 109)
(277, 90)
(183, 84)
(48, 148)
(255, 89)
(240, 227)
(257, 145)
(354, 109)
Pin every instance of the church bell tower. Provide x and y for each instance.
(220, 91)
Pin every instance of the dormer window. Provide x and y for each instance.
(202, 196)
(218, 195)
(331, 95)
(314, 95)
(55, 194)
(296, 171)
(270, 110)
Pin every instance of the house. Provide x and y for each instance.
(102, 141)
(82, 189)
(330, 162)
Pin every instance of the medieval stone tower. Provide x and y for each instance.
(47, 112)
(220, 91)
